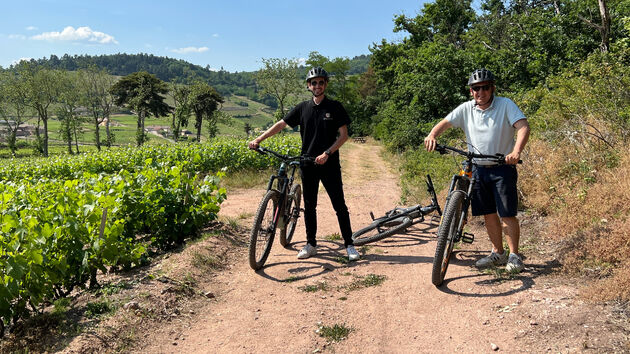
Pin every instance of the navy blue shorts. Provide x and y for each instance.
(495, 190)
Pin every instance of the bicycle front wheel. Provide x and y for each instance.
(446, 234)
(293, 213)
(263, 231)
(381, 228)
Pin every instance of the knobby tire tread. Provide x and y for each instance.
(257, 261)
(445, 236)
(293, 209)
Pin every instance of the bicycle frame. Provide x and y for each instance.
(283, 185)
(417, 213)
(284, 181)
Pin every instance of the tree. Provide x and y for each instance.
(181, 111)
(280, 79)
(94, 84)
(142, 93)
(14, 108)
(70, 97)
(43, 90)
(204, 101)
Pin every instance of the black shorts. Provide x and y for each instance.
(495, 190)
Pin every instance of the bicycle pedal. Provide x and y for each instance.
(467, 237)
(372, 215)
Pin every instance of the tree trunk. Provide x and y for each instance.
(76, 139)
(45, 142)
(12, 140)
(97, 134)
(140, 131)
(68, 136)
(108, 133)
(604, 30)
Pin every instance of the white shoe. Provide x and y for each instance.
(307, 251)
(514, 264)
(493, 260)
(353, 255)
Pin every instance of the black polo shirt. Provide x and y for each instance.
(319, 124)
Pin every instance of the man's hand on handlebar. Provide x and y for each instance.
(513, 158)
(254, 144)
(321, 159)
(430, 143)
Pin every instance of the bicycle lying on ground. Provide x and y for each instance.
(278, 210)
(455, 216)
(397, 220)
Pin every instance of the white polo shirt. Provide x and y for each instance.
(489, 131)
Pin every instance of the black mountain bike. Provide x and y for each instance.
(455, 217)
(278, 210)
(396, 220)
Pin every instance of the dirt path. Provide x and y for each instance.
(270, 311)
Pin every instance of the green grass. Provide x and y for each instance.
(334, 333)
(365, 282)
(207, 261)
(320, 286)
(333, 237)
(98, 308)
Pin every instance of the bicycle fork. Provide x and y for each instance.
(460, 180)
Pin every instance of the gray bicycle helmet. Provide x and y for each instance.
(316, 72)
(480, 75)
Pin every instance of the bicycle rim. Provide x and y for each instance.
(380, 229)
(446, 237)
(263, 231)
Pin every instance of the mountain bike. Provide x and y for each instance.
(278, 210)
(455, 216)
(397, 220)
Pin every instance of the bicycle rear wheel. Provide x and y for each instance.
(264, 230)
(447, 231)
(380, 228)
(293, 211)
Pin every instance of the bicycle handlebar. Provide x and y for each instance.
(499, 158)
(263, 150)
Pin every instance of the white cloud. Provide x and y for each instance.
(15, 62)
(16, 36)
(301, 61)
(31, 28)
(190, 50)
(216, 35)
(80, 34)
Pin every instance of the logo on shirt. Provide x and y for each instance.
(327, 116)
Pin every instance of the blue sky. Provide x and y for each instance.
(233, 34)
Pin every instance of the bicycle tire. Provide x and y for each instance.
(263, 231)
(379, 229)
(294, 203)
(445, 237)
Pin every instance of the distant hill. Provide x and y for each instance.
(177, 70)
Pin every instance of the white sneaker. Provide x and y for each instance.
(353, 255)
(514, 264)
(307, 251)
(493, 260)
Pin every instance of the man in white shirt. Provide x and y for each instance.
(490, 123)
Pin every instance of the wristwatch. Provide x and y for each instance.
(328, 152)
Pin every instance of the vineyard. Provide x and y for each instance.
(64, 219)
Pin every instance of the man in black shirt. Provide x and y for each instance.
(324, 128)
